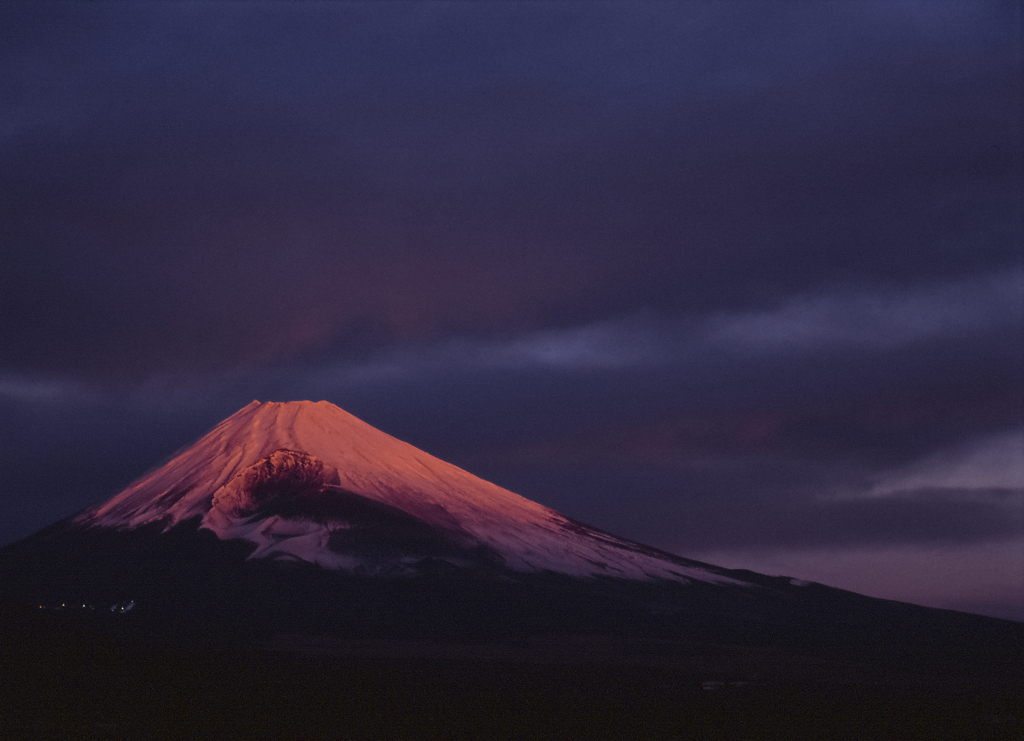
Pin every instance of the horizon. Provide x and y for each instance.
(741, 283)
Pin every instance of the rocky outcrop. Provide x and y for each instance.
(282, 474)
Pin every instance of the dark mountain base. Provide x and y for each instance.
(215, 646)
(62, 678)
(187, 582)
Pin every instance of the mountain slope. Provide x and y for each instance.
(309, 481)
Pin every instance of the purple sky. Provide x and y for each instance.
(743, 281)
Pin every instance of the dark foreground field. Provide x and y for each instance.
(66, 677)
(218, 646)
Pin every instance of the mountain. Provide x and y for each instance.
(299, 514)
(309, 482)
(299, 573)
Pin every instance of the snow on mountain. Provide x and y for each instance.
(309, 481)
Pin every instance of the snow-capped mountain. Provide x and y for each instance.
(310, 482)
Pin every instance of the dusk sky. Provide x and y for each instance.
(743, 281)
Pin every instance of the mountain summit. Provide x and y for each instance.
(310, 482)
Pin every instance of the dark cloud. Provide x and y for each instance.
(448, 168)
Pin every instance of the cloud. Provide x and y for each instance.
(981, 577)
(848, 322)
(441, 169)
(992, 461)
(946, 515)
(873, 318)
(30, 390)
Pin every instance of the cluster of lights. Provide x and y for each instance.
(118, 607)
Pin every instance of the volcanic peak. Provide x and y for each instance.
(329, 466)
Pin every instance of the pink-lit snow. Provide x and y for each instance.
(215, 478)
